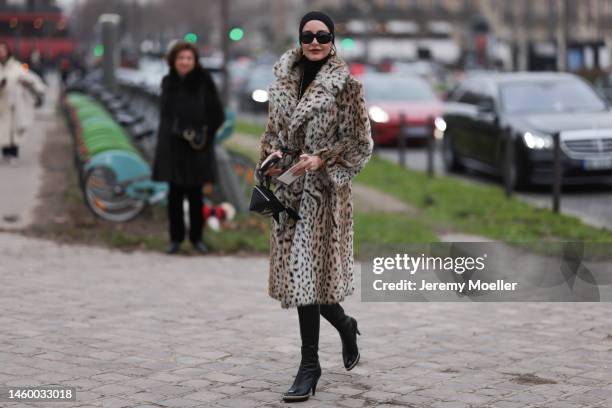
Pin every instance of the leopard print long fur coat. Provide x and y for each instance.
(311, 260)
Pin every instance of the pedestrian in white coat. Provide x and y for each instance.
(21, 91)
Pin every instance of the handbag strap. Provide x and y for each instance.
(263, 179)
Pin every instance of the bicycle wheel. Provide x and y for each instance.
(107, 199)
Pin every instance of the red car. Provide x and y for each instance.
(389, 96)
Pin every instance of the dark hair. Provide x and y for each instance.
(182, 46)
(9, 52)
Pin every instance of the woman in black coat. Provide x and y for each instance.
(189, 103)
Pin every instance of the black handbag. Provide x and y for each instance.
(263, 200)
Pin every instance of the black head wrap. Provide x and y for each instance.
(318, 15)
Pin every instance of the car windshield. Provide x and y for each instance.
(549, 96)
(398, 89)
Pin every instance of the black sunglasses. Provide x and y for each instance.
(323, 37)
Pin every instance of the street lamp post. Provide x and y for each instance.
(110, 54)
(562, 35)
(225, 26)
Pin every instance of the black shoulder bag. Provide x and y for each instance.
(196, 137)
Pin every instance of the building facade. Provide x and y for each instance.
(519, 34)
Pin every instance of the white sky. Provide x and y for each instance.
(69, 3)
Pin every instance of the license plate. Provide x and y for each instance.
(597, 164)
(417, 131)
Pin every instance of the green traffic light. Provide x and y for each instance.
(347, 44)
(98, 50)
(236, 34)
(191, 37)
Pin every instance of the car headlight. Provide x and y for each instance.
(537, 142)
(377, 114)
(440, 124)
(439, 127)
(259, 95)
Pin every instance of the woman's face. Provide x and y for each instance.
(315, 51)
(185, 62)
(3, 52)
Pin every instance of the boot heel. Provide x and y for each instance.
(314, 388)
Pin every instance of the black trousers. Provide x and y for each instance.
(10, 151)
(308, 317)
(310, 323)
(176, 195)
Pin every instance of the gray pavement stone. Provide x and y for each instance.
(351, 403)
(445, 404)
(144, 329)
(205, 396)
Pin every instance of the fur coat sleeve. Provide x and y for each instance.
(354, 147)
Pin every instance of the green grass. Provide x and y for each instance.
(240, 149)
(249, 128)
(247, 232)
(477, 209)
(380, 230)
(129, 240)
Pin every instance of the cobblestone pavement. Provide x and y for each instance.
(144, 329)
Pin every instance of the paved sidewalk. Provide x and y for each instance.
(20, 183)
(144, 329)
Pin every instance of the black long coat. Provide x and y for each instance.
(194, 100)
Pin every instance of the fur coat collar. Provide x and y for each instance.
(318, 97)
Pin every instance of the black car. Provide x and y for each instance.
(253, 96)
(533, 106)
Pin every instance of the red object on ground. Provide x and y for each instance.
(217, 212)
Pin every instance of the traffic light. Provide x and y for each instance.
(98, 50)
(347, 44)
(191, 38)
(236, 34)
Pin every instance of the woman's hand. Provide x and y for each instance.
(274, 170)
(307, 163)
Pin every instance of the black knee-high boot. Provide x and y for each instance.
(310, 370)
(347, 328)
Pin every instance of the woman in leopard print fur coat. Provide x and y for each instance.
(316, 108)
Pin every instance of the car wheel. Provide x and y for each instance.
(452, 162)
